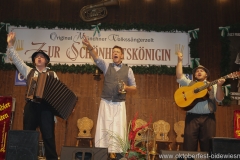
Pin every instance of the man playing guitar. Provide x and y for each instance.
(200, 123)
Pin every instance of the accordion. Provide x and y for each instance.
(50, 90)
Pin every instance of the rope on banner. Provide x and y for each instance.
(2, 25)
(194, 33)
(224, 30)
(195, 62)
(227, 89)
(96, 29)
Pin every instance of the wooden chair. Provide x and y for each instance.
(179, 130)
(140, 134)
(162, 128)
(85, 126)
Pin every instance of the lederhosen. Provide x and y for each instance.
(200, 127)
(37, 114)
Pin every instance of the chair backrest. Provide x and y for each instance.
(161, 128)
(140, 134)
(85, 126)
(179, 129)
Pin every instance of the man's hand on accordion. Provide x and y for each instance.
(73, 110)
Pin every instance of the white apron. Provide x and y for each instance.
(111, 120)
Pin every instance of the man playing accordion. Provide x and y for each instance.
(36, 114)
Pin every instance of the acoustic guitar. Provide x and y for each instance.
(186, 95)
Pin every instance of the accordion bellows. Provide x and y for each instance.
(52, 91)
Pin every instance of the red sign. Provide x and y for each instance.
(5, 117)
(237, 123)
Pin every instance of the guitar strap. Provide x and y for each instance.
(209, 97)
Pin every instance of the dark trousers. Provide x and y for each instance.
(199, 128)
(38, 115)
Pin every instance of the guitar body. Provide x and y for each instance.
(185, 96)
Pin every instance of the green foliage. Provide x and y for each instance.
(122, 143)
(64, 68)
(227, 100)
(226, 56)
(3, 40)
(132, 154)
(163, 69)
(193, 48)
(225, 65)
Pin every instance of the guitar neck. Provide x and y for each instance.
(209, 84)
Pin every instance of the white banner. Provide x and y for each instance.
(65, 46)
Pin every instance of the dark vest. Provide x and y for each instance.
(30, 75)
(110, 86)
(209, 97)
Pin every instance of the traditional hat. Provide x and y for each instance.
(202, 67)
(41, 52)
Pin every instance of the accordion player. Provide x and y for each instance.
(54, 93)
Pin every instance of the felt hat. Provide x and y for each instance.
(202, 67)
(41, 52)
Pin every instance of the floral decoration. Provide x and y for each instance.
(128, 144)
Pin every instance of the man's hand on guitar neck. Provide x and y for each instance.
(220, 94)
(220, 82)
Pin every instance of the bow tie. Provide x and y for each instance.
(117, 65)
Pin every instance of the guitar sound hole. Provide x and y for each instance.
(196, 90)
